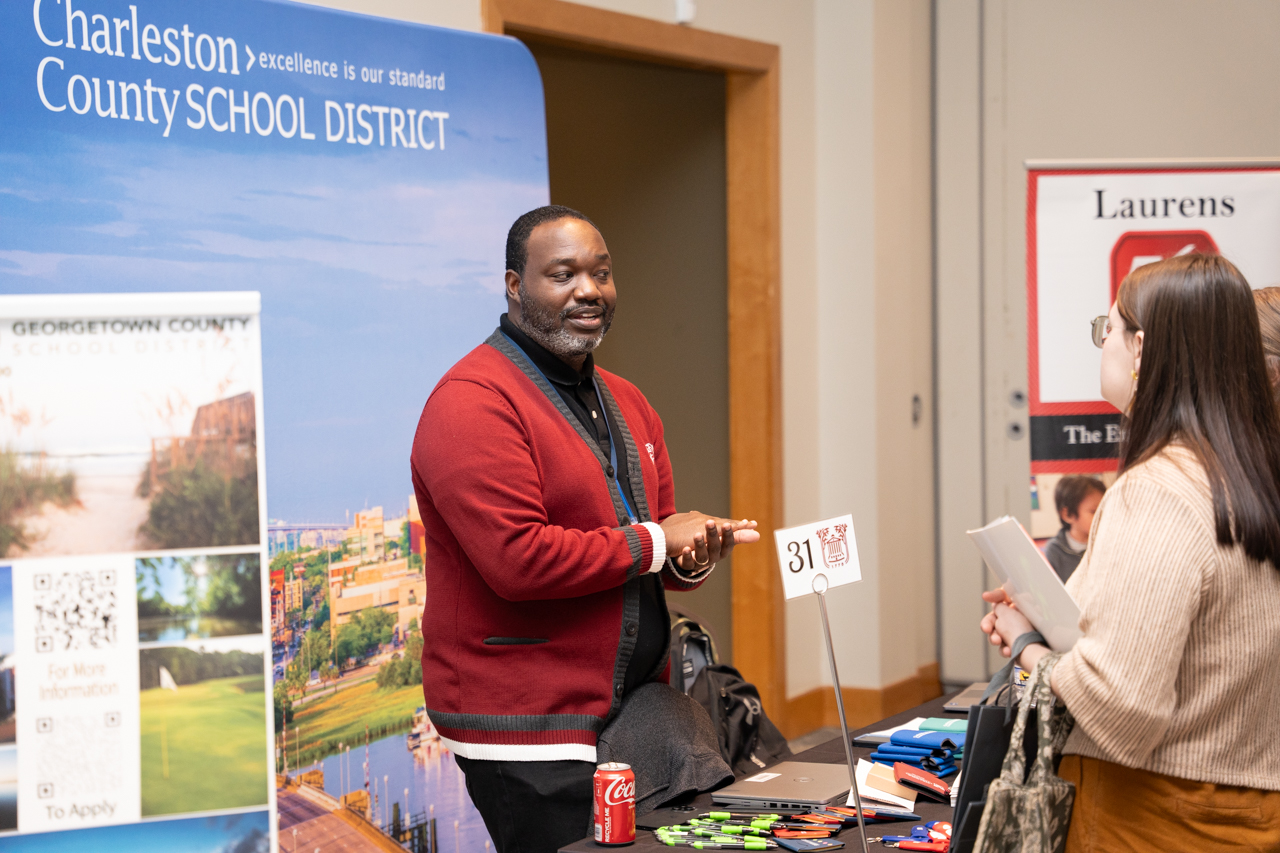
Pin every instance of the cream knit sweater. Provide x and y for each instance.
(1178, 671)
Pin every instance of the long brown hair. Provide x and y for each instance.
(1268, 301)
(1203, 384)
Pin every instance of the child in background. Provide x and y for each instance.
(1077, 498)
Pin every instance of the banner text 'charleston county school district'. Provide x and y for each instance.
(140, 91)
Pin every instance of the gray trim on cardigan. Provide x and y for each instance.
(517, 722)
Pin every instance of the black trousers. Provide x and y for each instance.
(531, 806)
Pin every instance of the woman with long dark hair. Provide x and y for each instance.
(1175, 684)
(1268, 301)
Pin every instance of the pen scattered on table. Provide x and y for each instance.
(816, 830)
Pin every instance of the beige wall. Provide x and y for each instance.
(904, 334)
(457, 14)
(874, 343)
(855, 173)
(830, 457)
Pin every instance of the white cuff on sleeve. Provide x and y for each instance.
(659, 546)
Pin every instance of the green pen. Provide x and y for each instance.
(760, 823)
(737, 815)
(718, 834)
(743, 844)
(697, 832)
(731, 828)
(679, 829)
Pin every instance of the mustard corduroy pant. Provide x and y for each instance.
(1121, 809)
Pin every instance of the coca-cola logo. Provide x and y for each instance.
(619, 791)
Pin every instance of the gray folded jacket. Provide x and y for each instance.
(668, 740)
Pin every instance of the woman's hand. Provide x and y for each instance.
(1004, 623)
(1010, 624)
(988, 623)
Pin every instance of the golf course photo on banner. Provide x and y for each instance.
(203, 724)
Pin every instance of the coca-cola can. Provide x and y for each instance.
(615, 804)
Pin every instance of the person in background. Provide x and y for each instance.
(1077, 498)
(1268, 301)
(1175, 682)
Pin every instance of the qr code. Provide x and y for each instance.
(78, 756)
(76, 610)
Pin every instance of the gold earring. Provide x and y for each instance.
(1135, 375)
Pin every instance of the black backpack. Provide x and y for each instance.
(692, 648)
(749, 741)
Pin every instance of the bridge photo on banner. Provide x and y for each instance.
(239, 244)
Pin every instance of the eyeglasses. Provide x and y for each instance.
(1101, 328)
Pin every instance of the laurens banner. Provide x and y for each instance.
(227, 488)
(1090, 225)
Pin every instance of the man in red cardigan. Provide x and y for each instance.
(549, 508)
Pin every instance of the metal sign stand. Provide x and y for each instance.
(820, 580)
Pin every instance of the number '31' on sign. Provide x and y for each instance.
(817, 556)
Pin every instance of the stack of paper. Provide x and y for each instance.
(1030, 581)
(875, 782)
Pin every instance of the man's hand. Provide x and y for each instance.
(697, 540)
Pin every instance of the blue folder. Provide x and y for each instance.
(909, 753)
(939, 767)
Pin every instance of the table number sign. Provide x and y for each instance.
(824, 553)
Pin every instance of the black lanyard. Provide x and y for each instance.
(613, 452)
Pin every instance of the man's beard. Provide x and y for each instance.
(547, 328)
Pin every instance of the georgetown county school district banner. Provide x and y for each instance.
(360, 175)
(1088, 226)
(133, 488)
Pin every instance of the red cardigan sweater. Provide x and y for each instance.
(530, 619)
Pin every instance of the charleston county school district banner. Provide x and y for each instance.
(228, 490)
(1090, 225)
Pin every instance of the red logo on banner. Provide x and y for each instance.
(835, 545)
(1136, 248)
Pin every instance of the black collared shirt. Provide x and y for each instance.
(577, 389)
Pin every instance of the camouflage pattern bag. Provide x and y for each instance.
(1031, 816)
